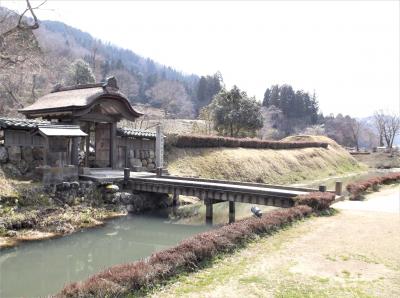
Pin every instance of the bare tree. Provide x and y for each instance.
(16, 37)
(388, 126)
(355, 129)
(379, 119)
(392, 128)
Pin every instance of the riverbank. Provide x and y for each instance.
(30, 211)
(352, 254)
(40, 223)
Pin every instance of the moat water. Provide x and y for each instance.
(44, 267)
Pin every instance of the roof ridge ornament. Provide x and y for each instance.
(111, 82)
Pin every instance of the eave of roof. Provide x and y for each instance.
(76, 98)
(135, 133)
(16, 123)
(61, 131)
(29, 124)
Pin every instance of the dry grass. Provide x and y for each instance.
(263, 165)
(7, 188)
(352, 254)
(380, 160)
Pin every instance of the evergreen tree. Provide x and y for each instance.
(299, 108)
(80, 73)
(235, 114)
(207, 88)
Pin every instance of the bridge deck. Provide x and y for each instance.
(221, 186)
(209, 190)
(217, 190)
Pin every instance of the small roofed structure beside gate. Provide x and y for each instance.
(77, 126)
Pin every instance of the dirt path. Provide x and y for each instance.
(355, 253)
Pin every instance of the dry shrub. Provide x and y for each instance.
(357, 188)
(316, 200)
(120, 280)
(200, 141)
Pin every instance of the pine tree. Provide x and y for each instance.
(80, 73)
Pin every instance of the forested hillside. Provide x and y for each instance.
(141, 79)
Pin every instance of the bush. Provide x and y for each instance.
(186, 256)
(316, 200)
(199, 141)
(357, 188)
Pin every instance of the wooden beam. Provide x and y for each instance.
(231, 211)
(75, 151)
(87, 144)
(113, 145)
(209, 211)
(97, 117)
(46, 151)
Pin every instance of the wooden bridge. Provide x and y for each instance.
(209, 190)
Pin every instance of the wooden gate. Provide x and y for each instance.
(102, 147)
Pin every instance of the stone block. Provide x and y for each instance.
(14, 153)
(3, 154)
(111, 188)
(11, 170)
(135, 162)
(38, 153)
(23, 166)
(27, 154)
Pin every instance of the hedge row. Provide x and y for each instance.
(316, 200)
(199, 141)
(357, 188)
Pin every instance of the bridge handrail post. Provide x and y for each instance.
(159, 150)
(338, 188)
(127, 174)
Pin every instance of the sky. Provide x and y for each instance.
(346, 51)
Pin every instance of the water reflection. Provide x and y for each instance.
(42, 268)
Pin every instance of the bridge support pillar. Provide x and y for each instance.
(209, 211)
(127, 174)
(231, 211)
(175, 200)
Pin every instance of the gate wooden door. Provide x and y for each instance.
(102, 147)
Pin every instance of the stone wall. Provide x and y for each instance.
(19, 161)
(95, 194)
(142, 159)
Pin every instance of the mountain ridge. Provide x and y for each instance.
(143, 80)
